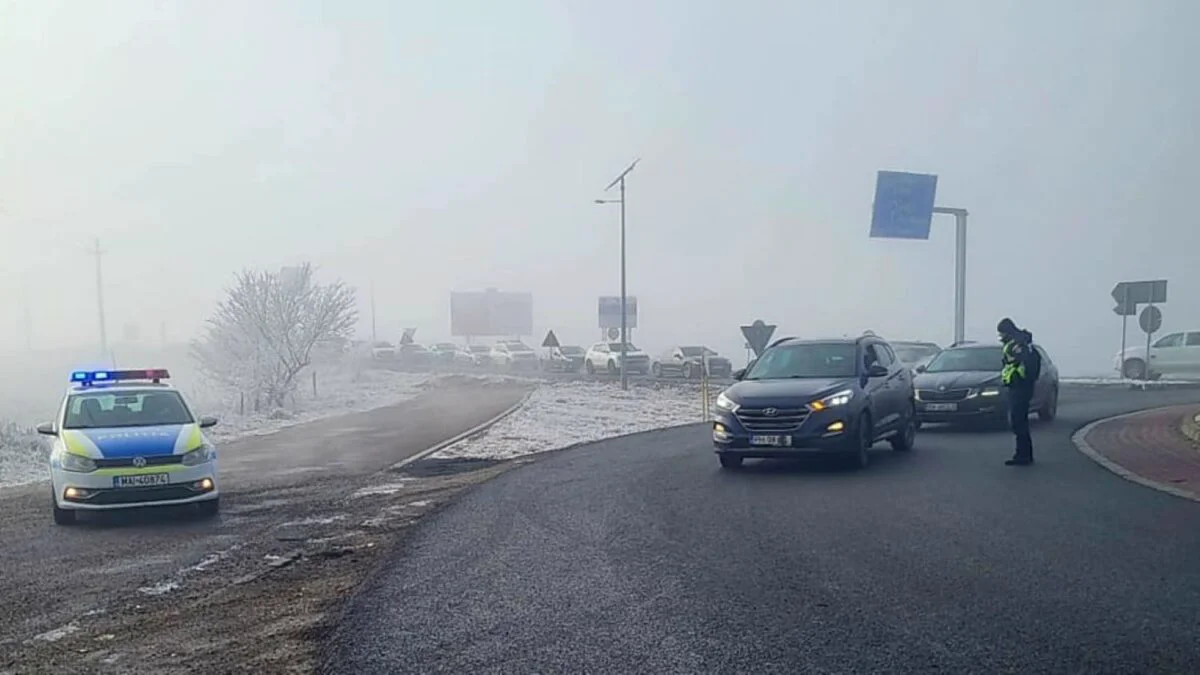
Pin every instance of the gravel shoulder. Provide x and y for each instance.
(306, 512)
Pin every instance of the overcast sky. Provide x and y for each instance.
(438, 146)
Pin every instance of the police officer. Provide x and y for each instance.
(1022, 364)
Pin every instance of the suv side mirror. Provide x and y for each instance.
(876, 370)
(206, 422)
(921, 368)
(739, 373)
(47, 429)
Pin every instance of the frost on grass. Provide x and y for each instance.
(23, 454)
(563, 414)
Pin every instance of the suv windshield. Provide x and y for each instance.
(517, 347)
(571, 351)
(697, 351)
(814, 359)
(988, 359)
(125, 409)
(480, 349)
(616, 347)
(913, 353)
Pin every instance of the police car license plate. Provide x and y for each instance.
(941, 407)
(144, 480)
(771, 441)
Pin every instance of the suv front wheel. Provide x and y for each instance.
(905, 438)
(858, 444)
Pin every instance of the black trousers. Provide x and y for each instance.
(1019, 398)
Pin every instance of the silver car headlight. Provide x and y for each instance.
(201, 455)
(76, 463)
(725, 403)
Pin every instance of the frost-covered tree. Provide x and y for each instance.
(264, 331)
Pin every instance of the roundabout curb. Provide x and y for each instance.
(1079, 438)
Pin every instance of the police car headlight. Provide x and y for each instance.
(200, 455)
(76, 463)
(725, 403)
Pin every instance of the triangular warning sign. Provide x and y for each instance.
(758, 334)
(407, 337)
(551, 340)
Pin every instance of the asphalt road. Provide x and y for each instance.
(639, 555)
(51, 576)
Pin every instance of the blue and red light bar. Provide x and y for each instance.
(90, 377)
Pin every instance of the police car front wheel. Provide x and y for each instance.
(62, 516)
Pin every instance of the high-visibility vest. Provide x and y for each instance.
(1013, 368)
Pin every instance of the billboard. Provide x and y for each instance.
(610, 311)
(491, 312)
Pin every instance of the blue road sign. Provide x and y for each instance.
(903, 205)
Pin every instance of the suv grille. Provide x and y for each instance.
(948, 395)
(784, 419)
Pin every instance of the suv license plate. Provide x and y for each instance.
(941, 407)
(772, 441)
(144, 480)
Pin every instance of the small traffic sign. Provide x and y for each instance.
(407, 337)
(757, 335)
(551, 340)
(903, 206)
(614, 333)
(1130, 294)
(1150, 320)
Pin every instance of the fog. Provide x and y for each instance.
(421, 148)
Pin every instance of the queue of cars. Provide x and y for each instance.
(600, 358)
(842, 396)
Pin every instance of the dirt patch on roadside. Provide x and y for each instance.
(266, 604)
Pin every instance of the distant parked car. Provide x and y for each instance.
(383, 351)
(962, 384)
(514, 355)
(481, 355)
(913, 354)
(688, 362)
(564, 359)
(606, 357)
(415, 356)
(450, 354)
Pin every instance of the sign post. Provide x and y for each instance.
(904, 208)
(1128, 295)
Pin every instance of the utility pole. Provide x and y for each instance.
(28, 320)
(100, 299)
(374, 336)
(620, 181)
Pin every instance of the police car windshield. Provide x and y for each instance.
(815, 360)
(106, 410)
(982, 359)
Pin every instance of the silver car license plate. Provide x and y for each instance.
(941, 407)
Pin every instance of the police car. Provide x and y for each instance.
(124, 439)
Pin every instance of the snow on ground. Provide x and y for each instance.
(341, 388)
(567, 413)
(1108, 381)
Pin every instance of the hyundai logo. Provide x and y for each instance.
(770, 412)
(139, 462)
(942, 388)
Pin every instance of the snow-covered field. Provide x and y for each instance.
(569, 413)
(1108, 381)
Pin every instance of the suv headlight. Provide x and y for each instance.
(76, 463)
(200, 455)
(725, 403)
(832, 401)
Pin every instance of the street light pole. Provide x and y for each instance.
(960, 269)
(620, 181)
(100, 300)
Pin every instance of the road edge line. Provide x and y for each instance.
(1079, 438)
(478, 428)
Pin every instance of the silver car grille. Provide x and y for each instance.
(771, 420)
(939, 395)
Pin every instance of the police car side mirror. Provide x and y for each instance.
(206, 422)
(47, 429)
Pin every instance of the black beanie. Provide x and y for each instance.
(1006, 326)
